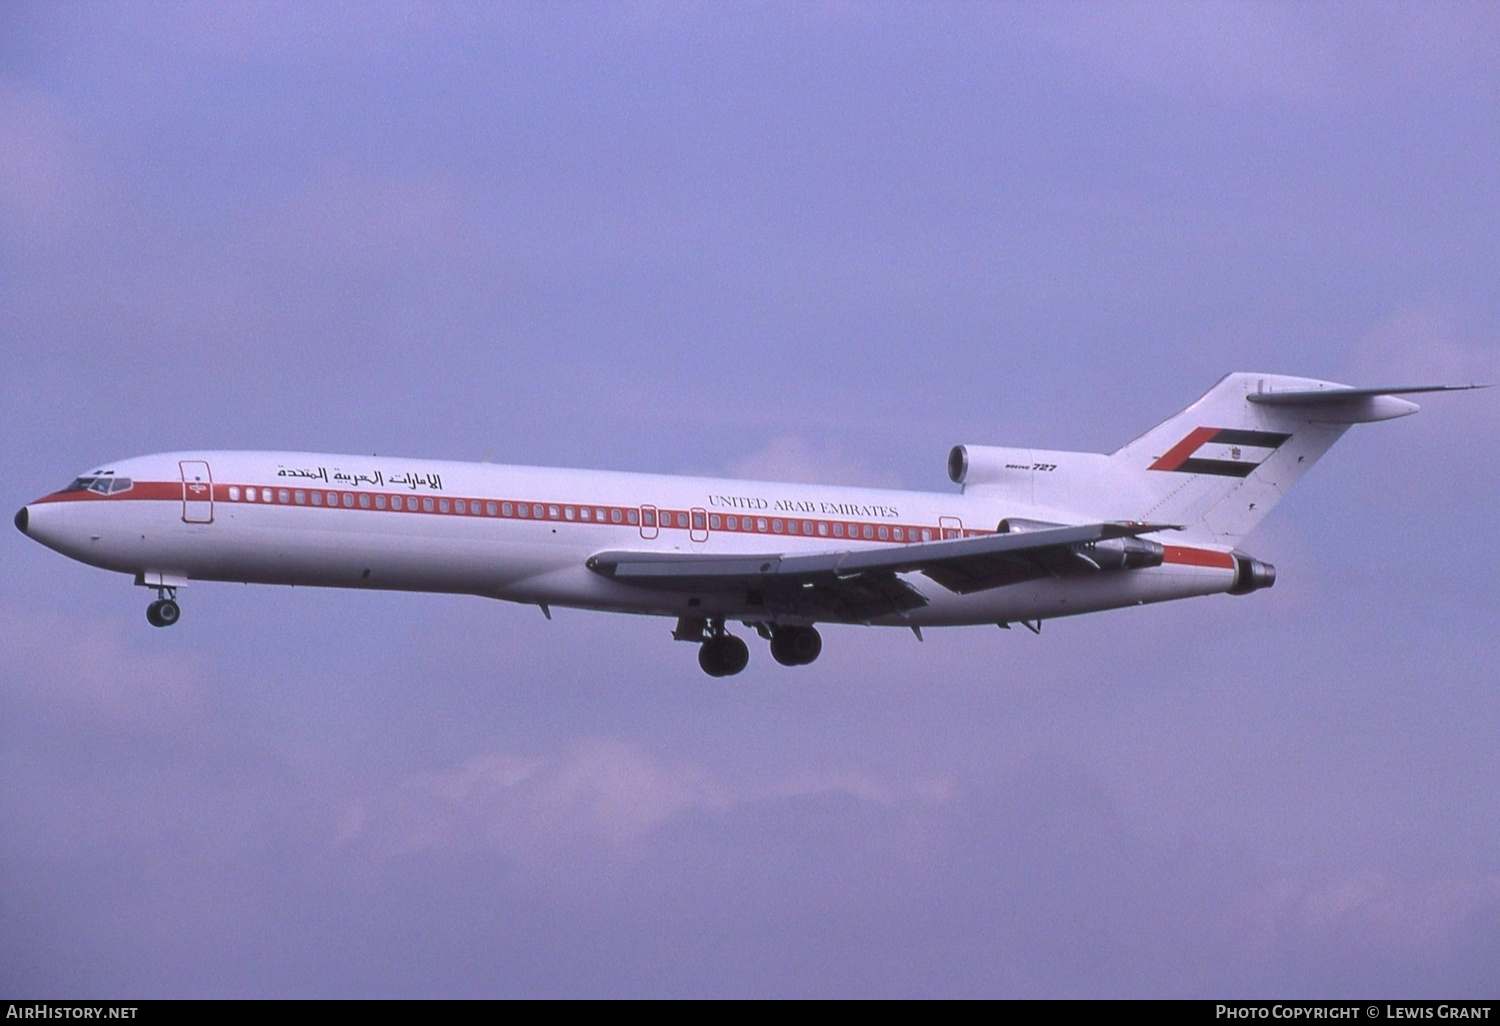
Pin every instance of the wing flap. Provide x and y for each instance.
(866, 581)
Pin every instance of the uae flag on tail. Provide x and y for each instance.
(1225, 452)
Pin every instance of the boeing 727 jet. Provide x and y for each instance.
(1029, 535)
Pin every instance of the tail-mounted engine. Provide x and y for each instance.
(1251, 574)
(1128, 553)
(988, 465)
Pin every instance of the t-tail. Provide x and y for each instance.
(1220, 465)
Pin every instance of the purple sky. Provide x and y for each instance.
(807, 240)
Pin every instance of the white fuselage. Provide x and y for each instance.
(524, 534)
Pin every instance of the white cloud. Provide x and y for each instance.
(1414, 922)
(76, 674)
(1424, 344)
(600, 792)
(1291, 53)
(789, 458)
(42, 177)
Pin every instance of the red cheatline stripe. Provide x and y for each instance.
(552, 512)
(158, 490)
(1179, 453)
(1197, 557)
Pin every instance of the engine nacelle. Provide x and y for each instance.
(988, 464)
(1020, 525)
(1123, 553)
(1128, 553)
(1251, 574)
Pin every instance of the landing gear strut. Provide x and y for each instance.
(795, 646)
(165, 611)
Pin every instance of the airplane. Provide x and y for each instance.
(1030, 535)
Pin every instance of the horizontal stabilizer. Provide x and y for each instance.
(1342, 394)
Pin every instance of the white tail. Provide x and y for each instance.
(1215, 469)
(1220, 465)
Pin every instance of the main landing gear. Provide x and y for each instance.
(795, 646)
(165, 611)
(721, 654)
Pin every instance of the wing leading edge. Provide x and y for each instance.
(862, 585)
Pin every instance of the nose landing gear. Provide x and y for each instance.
(165, 611)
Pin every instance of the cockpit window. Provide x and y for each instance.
(101, 484)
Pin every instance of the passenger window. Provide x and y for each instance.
(927, 534)
(348, 500)
(460, 506)
(648, 518)
(491, 509)
(896, 533)
(822, 528)
(631, 516)
(583, 513)
(552, 512)
(364, 501)
(760, 523)
(713, 521)
(506, 509)
(284, 495)
(882, 532)
(807, 527)
(427, 505)
(442, 505)
(568, 512)
(317, 499)
(682, 520)
(265, 495)
(614, 516)
(300, 496)
(698, 521)
(869, 532)
(838, 530)
(380, 502)
(234, 492)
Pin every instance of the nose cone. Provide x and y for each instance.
(22, 519)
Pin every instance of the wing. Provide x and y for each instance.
(861, 585)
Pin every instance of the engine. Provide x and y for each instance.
(1109, 554)
(1251, 574)
(988, 464)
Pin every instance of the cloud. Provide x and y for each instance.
(1427, 344)
(600, 792)
(72, 673)
(44, 184)
(1288, 53)
(790, 458)
(342, 219)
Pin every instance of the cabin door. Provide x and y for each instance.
(197, 492)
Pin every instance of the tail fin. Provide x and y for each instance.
(1220, 465)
